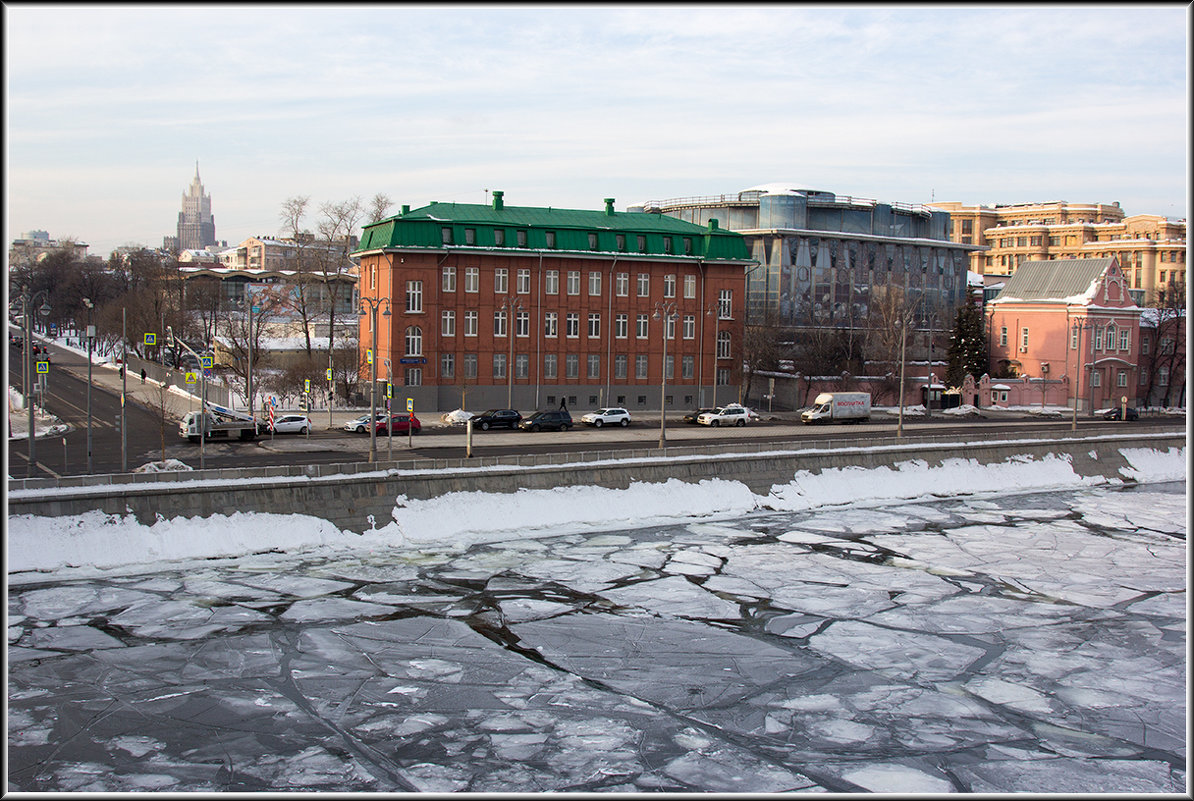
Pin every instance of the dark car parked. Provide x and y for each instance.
(496, 418)
(1114, 414)
(557, 420)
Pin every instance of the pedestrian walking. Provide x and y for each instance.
(142, 375)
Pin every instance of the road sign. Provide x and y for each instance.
(329, 374)
(410, 404)
(389, 390)
(192, 378)
(369, 356)
(205, 362)
(151, 339)
(306, 385)
(43, 368)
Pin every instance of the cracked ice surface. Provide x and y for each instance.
(1031, 643)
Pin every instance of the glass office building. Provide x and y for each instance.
(823, 257)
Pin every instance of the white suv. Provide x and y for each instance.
(607, 416)
(731, 415)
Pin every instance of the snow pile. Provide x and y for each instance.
(965, 410)
(98, 541)
(161, 467)
(1149, 464)
(472, 516)
(455, 417)
(915, 479)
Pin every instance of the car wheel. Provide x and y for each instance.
(303, 430)
(741, 423)
(625, 422)
(535, 427)
(716, 424)
(598, 423)
(484, 426)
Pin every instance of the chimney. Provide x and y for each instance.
(498, 204)
(406, 208)
(712, 223)
(609, 206)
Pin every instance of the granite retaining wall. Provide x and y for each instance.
(358, 501)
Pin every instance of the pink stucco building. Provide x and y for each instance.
(1073, 323)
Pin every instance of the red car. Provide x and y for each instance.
(400, 422)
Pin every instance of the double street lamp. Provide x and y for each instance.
(665, 310)
(27, 303)
(369, 306)
(90, 338)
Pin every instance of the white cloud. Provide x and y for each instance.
(584, 102)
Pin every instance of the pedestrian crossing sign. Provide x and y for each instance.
(43, 368)
(192, 378)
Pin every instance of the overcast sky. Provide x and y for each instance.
(109, 107)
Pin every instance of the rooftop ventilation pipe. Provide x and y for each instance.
(609, 206)
(406, 208)
(713, 224)
(497, 200)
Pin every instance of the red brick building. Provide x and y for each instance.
(532, 307)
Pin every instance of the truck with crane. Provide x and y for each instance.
(217, 421)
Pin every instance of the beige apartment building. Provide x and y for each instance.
(1150, 248)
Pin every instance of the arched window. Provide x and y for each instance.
(414, 341)
(723, 345)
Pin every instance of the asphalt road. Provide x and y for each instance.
(149, 435)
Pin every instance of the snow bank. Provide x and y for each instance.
(915, 479)
(99, 540)
(473, 516)
(95, 542)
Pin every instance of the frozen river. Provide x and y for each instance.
(1023, 643)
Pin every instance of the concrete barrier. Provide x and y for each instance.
(358, 497)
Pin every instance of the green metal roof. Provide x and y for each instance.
(424, 228)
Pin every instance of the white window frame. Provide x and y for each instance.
(500, 327)
(501, 281)
(669, 285)
(594, 325)
(448, 323)
(414, 340)
(572, 325)
(472, 279)
(448, 280)
(594, 284)
(622, 284)
(689, 326)
(725, 304)
(523, 279)
(621, 325)
(551, 282)
(573, 285)
(522, 324)
(644, 285)
(642, 326)
(471, 323)
(414, 297)
(689, 287)
(551, 324)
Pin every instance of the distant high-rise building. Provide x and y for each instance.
(196, 225)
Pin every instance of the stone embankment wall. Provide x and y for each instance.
(358, 497)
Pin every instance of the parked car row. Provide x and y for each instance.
(400, 422)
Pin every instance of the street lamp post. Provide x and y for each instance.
(511, 306)
(665, 311)
(90, 338)
(390, 409)
(372, 305)
(709, 312)
(903, 340)
(27, 310)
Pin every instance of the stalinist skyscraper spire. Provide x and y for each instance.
(196, 225)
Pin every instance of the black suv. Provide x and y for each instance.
(1115, 412)
(496, 418)
(558, 420)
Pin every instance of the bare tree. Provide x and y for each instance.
(762, 349)
(1164, 366)
(337, 224)
(379, 207)
(165, 411)
(245, 332)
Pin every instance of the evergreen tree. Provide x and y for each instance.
(967, 346)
